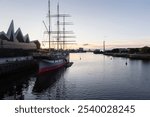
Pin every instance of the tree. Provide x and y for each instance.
(145, 50)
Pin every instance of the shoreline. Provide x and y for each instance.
(131, 56)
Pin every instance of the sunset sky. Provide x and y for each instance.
(121, 23)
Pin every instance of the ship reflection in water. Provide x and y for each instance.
(91, 77)
(21, 86)
(46, 83)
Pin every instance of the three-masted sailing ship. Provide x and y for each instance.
(54, 60)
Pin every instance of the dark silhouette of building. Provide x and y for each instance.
(15, 40)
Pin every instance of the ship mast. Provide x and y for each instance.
(58, 32)
(64, 33)
(58, 36)
(49, 17)
(64, 23)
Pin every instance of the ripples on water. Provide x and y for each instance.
(90, 77)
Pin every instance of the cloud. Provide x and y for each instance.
(86, 44)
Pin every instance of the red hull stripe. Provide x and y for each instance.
(50, 69)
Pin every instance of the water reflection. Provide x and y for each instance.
(92, 77)
(12, 87)
(52, 85)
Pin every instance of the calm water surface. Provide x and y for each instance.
(90, 77)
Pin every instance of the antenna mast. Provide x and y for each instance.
(103, 46)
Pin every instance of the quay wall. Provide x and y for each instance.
(13, 67)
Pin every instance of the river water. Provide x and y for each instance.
(92, 77)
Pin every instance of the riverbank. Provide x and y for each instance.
(131, 56)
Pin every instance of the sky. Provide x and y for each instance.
(120, 23)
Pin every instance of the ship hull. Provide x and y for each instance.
(50, 65)
(53, 64)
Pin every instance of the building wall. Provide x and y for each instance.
(17, 45)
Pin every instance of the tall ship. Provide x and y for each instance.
(54, 59)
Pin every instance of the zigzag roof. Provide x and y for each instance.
(17, 36)
(26, 38)
(10, 32)
(3, 36)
